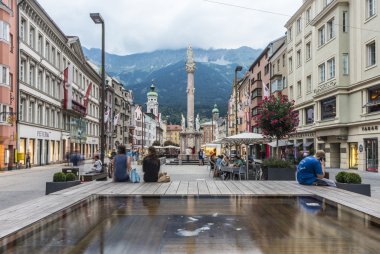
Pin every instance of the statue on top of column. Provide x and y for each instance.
(197, 123)
(190, 64)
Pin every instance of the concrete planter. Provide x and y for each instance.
(57, 186)
(364, 189)
(281, 174)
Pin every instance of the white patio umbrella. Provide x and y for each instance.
(173, 147)
(245, 139)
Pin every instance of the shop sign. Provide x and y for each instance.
(370, 128)
(360, 148)
(42, 134)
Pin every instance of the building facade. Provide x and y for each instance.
(172, 133)
(8, 88)
(47, 129)
(333, 78)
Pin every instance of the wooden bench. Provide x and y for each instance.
(75, 171)
(94, 176)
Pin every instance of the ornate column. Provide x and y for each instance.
(190, 69)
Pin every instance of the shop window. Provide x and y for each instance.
(373, 99)
(309, 115)
(328, 108)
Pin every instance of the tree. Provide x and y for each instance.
(156, 143)
(170, 143)
(277, 117)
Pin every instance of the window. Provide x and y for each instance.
(11, 41)
(255, 111)
(23, 70)
(4, 75)
(290, 64)
(283, 60)
(22, 110)
(4, 31)
(345, 64)
(278, 65)
(331, 66)
(266, 69)
(53, 55)
(290, 34)
(32, 76)
(309, 112)
(298, 58)
(47, 85)
(371, 54)
(321, 36)
(58, 60)
(31, 112)
(308, 84)
(299, 89)
(374, 99)
(259, 75)
(3, 117)
(32, 37)
(308, 16)
(308, 50)
(47, 50)
(291, 92)
(327, 2)
(345, 22)
(39, 114)
(328, 108)
(299, 25)
(330, 29)
(22, 29)
(256, 93)
(40, 44)
(371, 8)
(322, 73)
(39, 80)
(47, 113)
(284, 82)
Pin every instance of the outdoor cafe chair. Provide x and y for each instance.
(240, 171)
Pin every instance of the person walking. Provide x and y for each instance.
(122, 165)
(151, 166)
(200, 157)
(27, 160)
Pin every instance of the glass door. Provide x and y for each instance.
(372, 161)
(353, 163)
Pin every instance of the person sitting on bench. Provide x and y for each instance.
(97, 168)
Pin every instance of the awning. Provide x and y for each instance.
(281, 143)
(298, 143)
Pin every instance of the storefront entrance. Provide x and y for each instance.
(371, 154)
(335, 155)
(353, 160)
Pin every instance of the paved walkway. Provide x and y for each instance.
(19, 186)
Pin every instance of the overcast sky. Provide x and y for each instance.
(135, 26)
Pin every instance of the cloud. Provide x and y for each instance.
(134, 26)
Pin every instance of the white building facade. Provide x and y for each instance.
(46, 131)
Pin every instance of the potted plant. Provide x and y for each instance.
(352, 182)
(276, 169)
(61, 181)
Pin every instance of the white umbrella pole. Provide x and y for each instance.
(247, 162)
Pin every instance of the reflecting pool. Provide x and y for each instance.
(201, 225)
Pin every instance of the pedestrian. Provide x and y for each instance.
(27, 159)
(151, 166)
(75, 158)
(200, 157)
(203, 157)
(122, 165)
(311, 170)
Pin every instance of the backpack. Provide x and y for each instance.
(134, 176)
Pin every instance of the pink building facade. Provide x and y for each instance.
(8, 74)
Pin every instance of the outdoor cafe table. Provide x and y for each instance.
(230, 169)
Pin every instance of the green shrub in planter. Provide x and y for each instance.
(59, 177)
(341, 177)
(70, 177)
(277, 163)
(353, 178)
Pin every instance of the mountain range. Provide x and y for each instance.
(166, 69)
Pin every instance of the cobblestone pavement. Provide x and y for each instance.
(19, 186)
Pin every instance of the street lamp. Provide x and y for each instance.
(238, 68)
(99, 20)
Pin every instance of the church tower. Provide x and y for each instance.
(152, 103)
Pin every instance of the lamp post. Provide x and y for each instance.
(99, 20)
(238, 68)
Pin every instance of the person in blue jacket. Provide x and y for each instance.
(311, 170)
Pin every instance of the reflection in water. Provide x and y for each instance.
(202, 225)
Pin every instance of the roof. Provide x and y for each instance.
(152, 92)
(174, 127)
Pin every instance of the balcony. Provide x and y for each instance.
(256, 84)
(276, 85)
